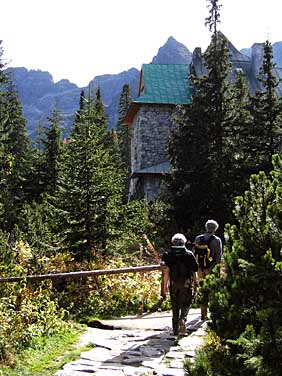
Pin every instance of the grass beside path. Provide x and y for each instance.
(48, 356)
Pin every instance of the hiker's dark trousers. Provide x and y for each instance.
(181, 299)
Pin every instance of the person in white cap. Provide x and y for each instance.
(182, 267)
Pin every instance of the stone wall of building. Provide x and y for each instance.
(146, 186)
(150, 132)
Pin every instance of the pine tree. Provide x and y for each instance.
(3, 75)
(37, 181)
(124, 136)
(5, 161)
(239, 144)
(52, 152)
(198, 148)
(100, 110)
(36, 216)
(35, 225)
(124, 131)
(189, 152)
(267, 114)
(89, 185)
(213, 19)
(82, 103)
(16, 154)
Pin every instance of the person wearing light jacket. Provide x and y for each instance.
(214, 244)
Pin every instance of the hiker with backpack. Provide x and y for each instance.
(182, 268)
(208, 253)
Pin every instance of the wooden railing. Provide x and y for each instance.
(89, 273)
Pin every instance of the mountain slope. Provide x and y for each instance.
(39, 95)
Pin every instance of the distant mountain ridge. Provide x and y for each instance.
(39, 94)
(277, 53)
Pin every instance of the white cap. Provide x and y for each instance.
(179, 237)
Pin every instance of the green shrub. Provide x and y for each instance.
(27, 314)
(213, 359)
(111, 295)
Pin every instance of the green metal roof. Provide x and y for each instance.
(165, 84)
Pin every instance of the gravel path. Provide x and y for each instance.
(142, 346)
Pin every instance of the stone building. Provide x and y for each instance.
(161, 88)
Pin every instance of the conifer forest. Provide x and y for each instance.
(64, 207)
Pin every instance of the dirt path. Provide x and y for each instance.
(142, 346)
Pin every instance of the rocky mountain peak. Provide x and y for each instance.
(173, 52)
(172, 40)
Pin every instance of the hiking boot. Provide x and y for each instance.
(191, 329)
(182, 327)
(210, 324)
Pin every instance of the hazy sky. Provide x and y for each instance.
(79, 39)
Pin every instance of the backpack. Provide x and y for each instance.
(177, 265)
(203, 252)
